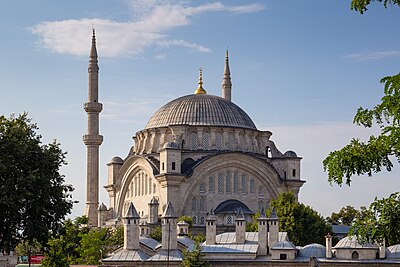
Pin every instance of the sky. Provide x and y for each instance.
(300, 69)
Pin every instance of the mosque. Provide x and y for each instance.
(202, 156)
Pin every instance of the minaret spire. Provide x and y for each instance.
(226, 81)
(92, 139)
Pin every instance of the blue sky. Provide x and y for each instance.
(299, 68)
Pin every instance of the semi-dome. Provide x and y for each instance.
(201, 109)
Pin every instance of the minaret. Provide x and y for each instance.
(92, 139)
(226, 82)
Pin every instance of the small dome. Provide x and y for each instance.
(393, 252)
(154, 201)
(183, 223)
(117, 160)
(352, 242)
(201, 110)
(290, 154)
(284, 245)
(313, 250)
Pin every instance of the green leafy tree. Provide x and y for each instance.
(92, 246)
(33, 197)
(361, 5)
(194, 258)
(372, 156)
(346, 216)
(55, 256)
(380, 222)
(303, 224)
(156, 233)
(187, 219)
(26, 248)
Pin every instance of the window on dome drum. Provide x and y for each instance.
(236, 183)
(194, 204)
(252, 186)
(229, 220)
(193, 141)
(211, 184)
(202, 205)
(228, 182)
(354, 255)
(244, 184)
(218, 141)
(294, 172)
(206, 140)
(202, 220)
(231, 141)
(220, 183)
(202, 188)
(173, 166)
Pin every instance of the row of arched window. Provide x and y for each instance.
(231, 182)
(141, 185)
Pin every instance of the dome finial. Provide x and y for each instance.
(200, 89)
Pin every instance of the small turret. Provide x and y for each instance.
(211, 228)
(240, 227)
(131, 228)
(262, 233)
(273, 228)
(153, 211)
(169, 229)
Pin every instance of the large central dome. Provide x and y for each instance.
(201, 109)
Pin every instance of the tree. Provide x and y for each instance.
(372, 156)
(156, 233)
(33, 197)
(194, 258)
(26, 248)
(187, 219)
(380, 222)
(346, 216)
(361, 5)
(303, 224)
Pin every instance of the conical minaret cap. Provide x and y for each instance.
(240, 215)
(93, 50)
(200, 90)
(131, 213)
(169, 211)
(211, 216)
(262, 216)
(273, 215)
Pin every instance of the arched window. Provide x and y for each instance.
(261, 205)
(202, 220)
(228, 182)
(261, 191)
(244, 184)
(154, 188)
(229, 220)
(202, 188)
(252, 186)
(142, 183)
(235, 183)
(220, 183)
(355, 255)
(211, 184)
(181, 231)
(218, 141)
(202, 204)
(145, 185)
(136, 186)
(194, 218)
(231, 141)
(193, 141)
(206, 140)
(142, 231)
(194, 203)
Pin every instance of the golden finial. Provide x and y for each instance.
(200, 89)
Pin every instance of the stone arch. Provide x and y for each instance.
(132, 166)
(258, 169)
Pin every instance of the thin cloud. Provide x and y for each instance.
(374, 55)
(154, 19)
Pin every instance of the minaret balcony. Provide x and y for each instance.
(93, 107)
(92, 139)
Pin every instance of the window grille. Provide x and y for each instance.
(202, 203)
(206, 140)
(252, 186)
(194, 203)
(202, 188)
(218, 141)
(193, 141)
(244, 184)
(220, 183)
(211, 184)
(236, 183)
(228, 182)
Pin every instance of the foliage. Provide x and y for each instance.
(372, 156)
(253, 225)
(361, 5)
(303, 224)
(26, 248)
(380, 222)
(55, 256)
(156, 233)
(33, 197)
(194, 258)
(199, 238)
(187, 219)
(80, 245)
(346, 216)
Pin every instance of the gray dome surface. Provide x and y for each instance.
(393, 252)
(208, 110)
(352, 242)
(313, 250)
